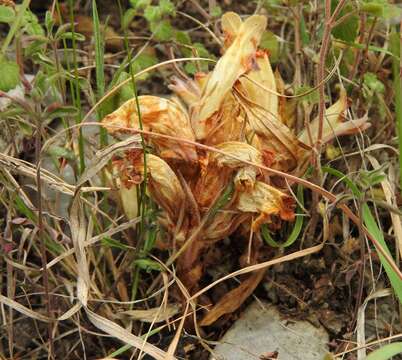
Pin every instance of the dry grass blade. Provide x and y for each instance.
(125, 336)
(232, 300)
(261, 266)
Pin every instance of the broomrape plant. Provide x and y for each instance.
(205, 196)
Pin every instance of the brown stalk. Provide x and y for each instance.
(329, 22)
(38, 145)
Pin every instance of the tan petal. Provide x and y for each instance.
(218, 169)
(227, 124)
(162, 184)
(187, 90)
(261, 106)
(237, 60)
(158, 115)
(237, 153)
(231, 24)
(266, 201)
(334, 123)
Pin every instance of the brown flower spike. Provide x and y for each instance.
(207, 196)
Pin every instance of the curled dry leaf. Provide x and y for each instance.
(266, 201)
(237, 60)
(159, 115)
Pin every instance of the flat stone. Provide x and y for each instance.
(262, 330)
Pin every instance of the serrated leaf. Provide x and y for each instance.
(141, 62)
(163, 30)
(183, 37)
(9, 75)
(167, 7)
(153, 13)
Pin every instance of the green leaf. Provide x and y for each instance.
(373, 9)
(100, 69)
(183, 37)
(305, 38)
(69, 36)
(141, 62)
(7, 14)
(312, 97)
(153, 13)
(9, 75)
(372, 82)
(270, 43)
(49, 21)
(216, 11)
(381, 8)
(140, 4)
(60, 152)
(163, 30)
(348, 28)
(190, 68)
(386, 352)
(167, 7)
(148, 265)
(222, 200)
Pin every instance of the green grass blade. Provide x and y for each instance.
(100, 69)
(296, 228)
(386, 352)
(395, 48)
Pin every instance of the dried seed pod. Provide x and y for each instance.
(158, 115)
(266, 201)
(237, 60)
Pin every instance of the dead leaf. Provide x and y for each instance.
(233, 299)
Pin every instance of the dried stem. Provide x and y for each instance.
(38, 145)
(329, 22)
